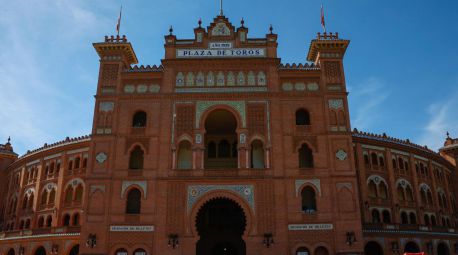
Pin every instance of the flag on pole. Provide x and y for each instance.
(323, 24)
(118, 26)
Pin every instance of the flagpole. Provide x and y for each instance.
(323, 24)
(118, 26)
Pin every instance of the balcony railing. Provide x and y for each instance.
(40, 231)
(407, 227)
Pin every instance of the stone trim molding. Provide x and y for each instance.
(238, 106)
(315, 182)
(197, 191)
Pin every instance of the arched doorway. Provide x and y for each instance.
(411, 247)
(302, 251)
(220, 139)
(220, 224)
(40, 251)
(373, 248)
(321, 251)
(11, 252)
(75, 250)
(442, 249)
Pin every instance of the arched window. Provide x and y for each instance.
(224, 149)
(70, 165)
(424, 200)
(257, 155)
(305, 157)
(426, 218)
(383, 190)
(84, 162)
(68, 195)
(133, 204)
(76, 219)
(409, 194)
(24, 202)
(374, 159)
(30, 201)
(48, 221)
(21, 225)
(302, 117)
(184, 155)
(139, 119)
(121, 252)
(41, 222)
(321, 251)
(375, 216)
(136, 158)
(433, 220)
(261, 79)
(302, 251)
(308, 200)
(366, 159)
(52, 197)
(401, 163)
(79, 193)
(401, 195)
(27, 224)
(413, 218)
(381, 161)
(139, 252)
(77, 162)
(386, 216)
(430, 197)
(404, 218)
(211, 150)
(66, 220)
(234, 150)
(372, 187)
(394, 163)
(44, 197)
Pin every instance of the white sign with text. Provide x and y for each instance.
(298, 227)
(131, 228)
(222, 53)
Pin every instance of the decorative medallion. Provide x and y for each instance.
(101, 157)
(335, 103)
(106, 106)
(299, 86)
(341, 155)
(242, 138)
(129, 88)
(154, 88)
(198, 138)
(221, 29)
(287, 86)
(142, 88)
(313, 86)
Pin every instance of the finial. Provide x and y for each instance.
(171, 30)
(242, 22)
(448, 135)
(221, 8)
(9, 140)
(200, 22)
(271, 29)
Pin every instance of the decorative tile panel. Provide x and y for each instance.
(239, 106)
(106, 106)
(197, 191)
(314, 182)
(335, 103)
(142, 184)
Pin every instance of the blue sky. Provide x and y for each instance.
(401, 66)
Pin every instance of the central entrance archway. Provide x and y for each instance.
(220, 224)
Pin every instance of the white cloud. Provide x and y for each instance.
(443, 118)
(366, 99)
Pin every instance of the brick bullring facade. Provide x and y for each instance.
(225, 150)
